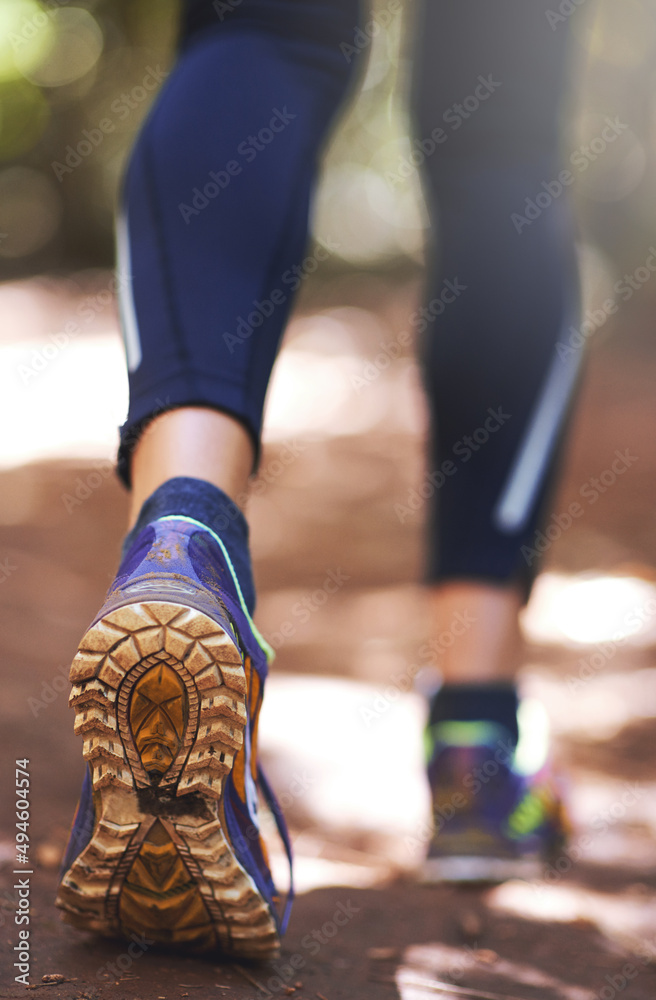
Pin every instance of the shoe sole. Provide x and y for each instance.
(469, 870)
(160, 861)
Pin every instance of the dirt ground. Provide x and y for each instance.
(587, 930)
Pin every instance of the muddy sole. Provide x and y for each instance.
(159, 691)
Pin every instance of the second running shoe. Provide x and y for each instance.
(497, 809)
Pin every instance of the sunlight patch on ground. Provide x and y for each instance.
(427, 966)
(586, 608)
(317, 873)
(348, 772)
(595, 702)
(622, 918)
(70, 407)
(322, 385)
(64, 385)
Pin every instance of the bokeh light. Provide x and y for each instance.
(74, 45)
(589, 608)
(623, 35)
(63, 65)
(25, 37)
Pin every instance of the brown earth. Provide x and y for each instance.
(587, 933)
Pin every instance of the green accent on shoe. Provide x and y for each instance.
(457, 733)
(261, 641)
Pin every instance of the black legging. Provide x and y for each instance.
(216, 204)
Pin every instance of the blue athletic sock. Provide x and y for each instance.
(211, 506)
(476, 702)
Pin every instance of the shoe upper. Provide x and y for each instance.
(483, 802)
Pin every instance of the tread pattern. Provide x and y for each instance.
(116, 651)
(228, 909)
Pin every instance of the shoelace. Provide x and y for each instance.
(274, 806)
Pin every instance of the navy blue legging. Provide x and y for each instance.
(215, 215)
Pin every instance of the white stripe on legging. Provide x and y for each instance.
(524, 481)
(127, 311)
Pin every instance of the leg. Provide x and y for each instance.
(215, 214)
(492, 77)
(487, 354)
(214, 217)
(169, 677)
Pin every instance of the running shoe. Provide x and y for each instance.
(497, 809)
(167, 690)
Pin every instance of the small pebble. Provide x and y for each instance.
(55, 977)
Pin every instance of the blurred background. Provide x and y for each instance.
(66, 66)
(344, 447)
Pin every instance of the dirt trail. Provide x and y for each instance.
(588, 930)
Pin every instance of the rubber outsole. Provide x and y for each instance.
(160, 861)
